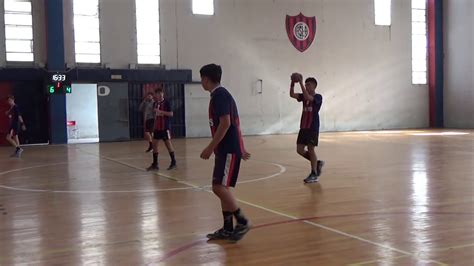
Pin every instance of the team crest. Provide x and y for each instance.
(301, 31)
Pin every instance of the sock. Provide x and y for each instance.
(239, 216)
(150, 146)
(17, 148)
(313, 172)
(173, 159)
(155, 158)
(228, 221)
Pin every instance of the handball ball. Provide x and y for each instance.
(296, 77)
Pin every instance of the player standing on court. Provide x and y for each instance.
(162, 127)
(16, 122)
(308, 136)
(147, 107)
(228, 147)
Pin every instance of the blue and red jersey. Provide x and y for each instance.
(222, 103)
(310, 116)
(162, 123)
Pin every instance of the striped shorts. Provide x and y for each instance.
(226, 169)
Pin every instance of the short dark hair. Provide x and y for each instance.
(159, 90)
(11, 97)
(150, 93)
(312, 80)
(212, 72)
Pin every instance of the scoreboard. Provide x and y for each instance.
(58, 83)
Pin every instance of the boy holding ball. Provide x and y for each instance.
(308, 135)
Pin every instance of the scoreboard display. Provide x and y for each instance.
(58, 83)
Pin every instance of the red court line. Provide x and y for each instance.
(190, 245)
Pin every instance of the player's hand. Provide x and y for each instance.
(23, 127)
(206, 153)
(246, 155)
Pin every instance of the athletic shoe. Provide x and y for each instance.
(312, 178)
(153, 167)
(220, 234)
(239, 232)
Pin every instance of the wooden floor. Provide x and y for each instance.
(385, 198)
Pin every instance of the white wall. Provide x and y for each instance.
(81, 106)
(459, 61)
(364, 71)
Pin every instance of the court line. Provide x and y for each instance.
(321, 226)
(282, 214)
(282, 170)
(454, 247)
(374, 261)
(77, 191)
(190, 245)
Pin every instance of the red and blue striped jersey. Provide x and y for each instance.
(162, 122)
(222, 103)
(310, 116)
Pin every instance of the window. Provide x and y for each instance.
(382, 9)
(203, 7)
(86, 31)
(419, 41)
(18, 31)
(148, 31)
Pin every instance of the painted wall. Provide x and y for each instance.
(364, 71)
(459, 62)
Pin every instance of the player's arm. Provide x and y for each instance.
(292, 91)
(166, 112)
(22, 122)
(224, 125)
(306, 95)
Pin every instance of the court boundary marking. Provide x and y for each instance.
(281, 171)
(291, 217)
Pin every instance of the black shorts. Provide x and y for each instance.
(162, 135)
(14, 130)
(226, 169)
(149, 125)
(307, 137)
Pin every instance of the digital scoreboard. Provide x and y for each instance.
(58, 83)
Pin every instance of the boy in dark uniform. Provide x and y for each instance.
(162, 127)
(308, 136)
(228, 147)
(16, 122)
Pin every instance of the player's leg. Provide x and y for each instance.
(10, 137)
(301, 150)
(148, 133)
(18, 150)
(316, 165)
(154, 164)
(226, 173)
(170, 148)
